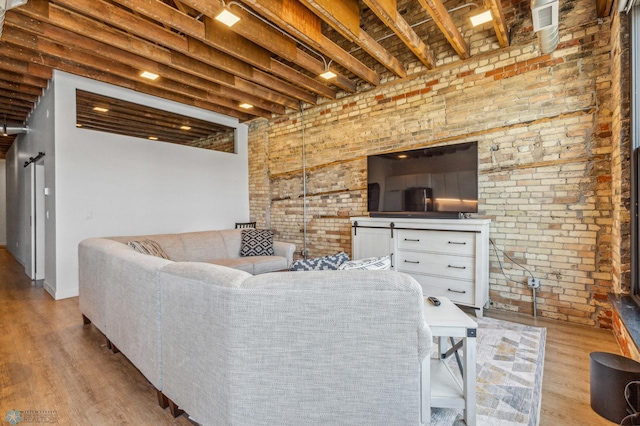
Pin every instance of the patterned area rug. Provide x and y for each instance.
(510, 362)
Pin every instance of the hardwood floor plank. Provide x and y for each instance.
(51, 361)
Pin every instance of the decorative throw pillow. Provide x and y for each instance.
(369, 264)
(149, 247)
(320, 263)
(256, 242)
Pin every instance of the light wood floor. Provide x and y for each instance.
(50, 361)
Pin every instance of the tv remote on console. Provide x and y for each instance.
(434, 301)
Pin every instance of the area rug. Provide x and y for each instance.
(510, 362)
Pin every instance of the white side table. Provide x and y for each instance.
(439, 386)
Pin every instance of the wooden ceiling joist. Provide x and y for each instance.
(344, 17)
(77, 23)
(294, 18)
(386, 11)
(499, 23)
(443, 20)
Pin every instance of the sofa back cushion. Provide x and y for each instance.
(203, 246)
(186, 272)
(232, 241)
(171, 244)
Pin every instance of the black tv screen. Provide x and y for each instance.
(431, 182)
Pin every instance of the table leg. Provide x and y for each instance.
(425, 390)
(469, 381)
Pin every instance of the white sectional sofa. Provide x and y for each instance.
(284, 348)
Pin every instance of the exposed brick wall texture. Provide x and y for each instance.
(543, 125)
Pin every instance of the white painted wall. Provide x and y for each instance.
(109, 184)
(3, 202)
(40, 138)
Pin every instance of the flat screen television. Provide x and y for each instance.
(428, 182)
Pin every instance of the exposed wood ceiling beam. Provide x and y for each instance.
(443, 20)
(177, 64)
(293, 17)
(604, 7)
(192, 44)
(184, 45)
(275, 41)
(45, 38)
(161, 12)
(344, 17)
(499, 23)
(387, 11)
(65, 59)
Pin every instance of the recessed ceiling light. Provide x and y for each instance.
(402, 156)
(185, 127)
(149, 75)
(78, 125)
(481, 18)
(328, 74)
(153, 138)
(227, 18)
(246, 106)
(100, 109)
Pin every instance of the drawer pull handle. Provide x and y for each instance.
(416, 240)
(456, 291)
(463, 243)
(456, 267)
(411, 261)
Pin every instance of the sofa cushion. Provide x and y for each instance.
(149, 247)
(369, 264)
(239, 263)
(256, 242)
(203, 246)
(320, 263)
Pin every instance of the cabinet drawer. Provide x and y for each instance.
(458, 291)
(436, 264)
(463, 243)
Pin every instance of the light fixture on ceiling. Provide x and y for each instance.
(100, 109)
(149, 75)
(153, 138)
(481, 18)
(328, 74)
(185, 127)
(6, 5)
(227, 17)
(246, 106)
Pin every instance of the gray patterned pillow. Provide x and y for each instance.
(256, 242)
(320, 263)
(149, 247)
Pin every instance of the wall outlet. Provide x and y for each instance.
(534, 282)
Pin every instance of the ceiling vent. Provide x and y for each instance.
(6, 5)
(544, 15)
(545, 23)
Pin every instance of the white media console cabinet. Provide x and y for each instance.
(448, 257)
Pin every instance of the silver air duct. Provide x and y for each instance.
(545, 23)
(6, 5)
(13, 129)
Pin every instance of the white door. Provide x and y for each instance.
(35, 266)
